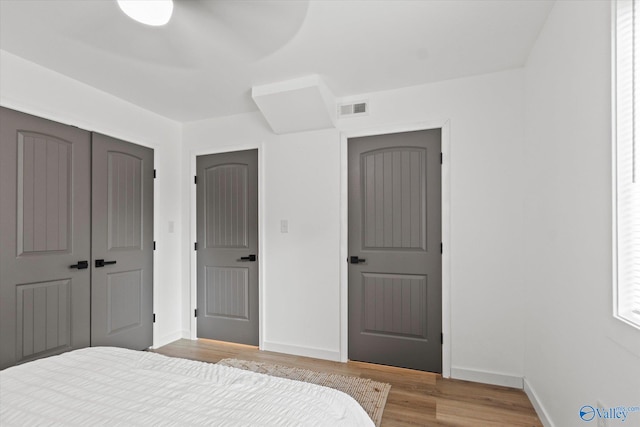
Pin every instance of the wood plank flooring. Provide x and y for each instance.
(416, 398)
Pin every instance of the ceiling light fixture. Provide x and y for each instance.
(150, 12)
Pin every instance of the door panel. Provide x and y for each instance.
(125, 293)
(227, 292)
(227, 229)
(43, 317)
(395, 288)
(226, 192)
(122, 237)
(394, 199)
(124, 204)
(405, 314)
(44, 224)
(44, 179)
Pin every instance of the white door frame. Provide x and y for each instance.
(193, 277)
(446, 230)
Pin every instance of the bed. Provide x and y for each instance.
(115, 386)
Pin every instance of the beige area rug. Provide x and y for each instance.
(371, 395)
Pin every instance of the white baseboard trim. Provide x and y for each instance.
(487, 377)
(537, 405)
(168, 338)
(317, 353)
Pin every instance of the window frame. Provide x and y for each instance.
(624, 132)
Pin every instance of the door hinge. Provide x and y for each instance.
(440, 247)
(154, 318)
(195, 313)
(441, 338)
(440, 158)
(195, 246)
(195, 179)
(154, 174)
(154, 245)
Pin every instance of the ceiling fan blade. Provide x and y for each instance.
(240, 31)
(248, 30)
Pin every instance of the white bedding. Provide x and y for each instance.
(114, 386)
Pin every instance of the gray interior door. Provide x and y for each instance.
(122, 244)
(227, 257)
(44, 226)
(395, 284)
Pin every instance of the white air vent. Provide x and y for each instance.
(355, 109)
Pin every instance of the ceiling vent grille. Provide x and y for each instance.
(355, 109)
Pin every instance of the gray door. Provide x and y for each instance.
(122, 244)
(394, 246)
(227, 232)
(44, 227)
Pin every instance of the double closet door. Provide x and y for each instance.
(76, 230)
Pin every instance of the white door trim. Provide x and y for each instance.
(193, 260)
(446, 230)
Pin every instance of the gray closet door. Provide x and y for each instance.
(227, 230)
(395, 303)
(44, 226)
(122, 244)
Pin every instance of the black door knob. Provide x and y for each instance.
(102, 263)
(81, 265)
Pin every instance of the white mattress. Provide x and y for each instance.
(115, 386)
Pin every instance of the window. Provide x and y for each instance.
(626, 172)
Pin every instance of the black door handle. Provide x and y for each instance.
(356, 260)
(250, 258)
(81, 265)
(102, 263)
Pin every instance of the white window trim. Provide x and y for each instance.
(626, 210)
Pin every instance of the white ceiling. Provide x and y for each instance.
(205, 61)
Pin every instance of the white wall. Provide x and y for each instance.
(301, 174)
(302, 269)
(30, 88)
(576, 353)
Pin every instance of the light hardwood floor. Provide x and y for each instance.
(416, 398)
